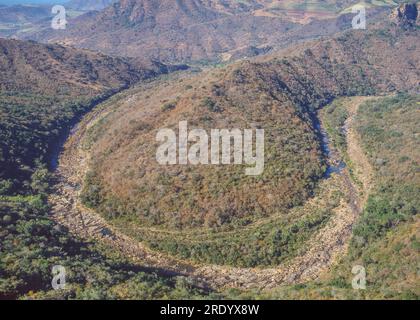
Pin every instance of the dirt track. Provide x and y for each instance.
(324, 248)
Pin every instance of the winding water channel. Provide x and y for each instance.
(334, 162)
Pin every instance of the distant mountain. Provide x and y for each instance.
(24, 18)
(44, 90)
(191, 30)
(21, 17)
(89, 5)
(23, 13)
(163, 29)
(34, 17)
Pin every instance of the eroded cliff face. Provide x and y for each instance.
(407, 14)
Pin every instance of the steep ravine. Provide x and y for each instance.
(324, 248)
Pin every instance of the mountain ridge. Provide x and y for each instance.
(44, 88)
(187, 30)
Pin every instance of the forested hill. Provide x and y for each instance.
(53, 69)
(42, 89)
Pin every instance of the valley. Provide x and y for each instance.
(325, 221)
(329, 243)
(82, 112)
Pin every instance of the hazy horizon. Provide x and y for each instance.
(13, 2)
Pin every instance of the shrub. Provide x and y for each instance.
(211, 105)
(168, 106)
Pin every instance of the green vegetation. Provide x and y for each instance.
(385, 240)
(34, 117)
(169, 106)
(211, 105)
(31, 244)
(336, 115)
(44, 89)
(269, 244)
(31, 126)
(389, 129)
